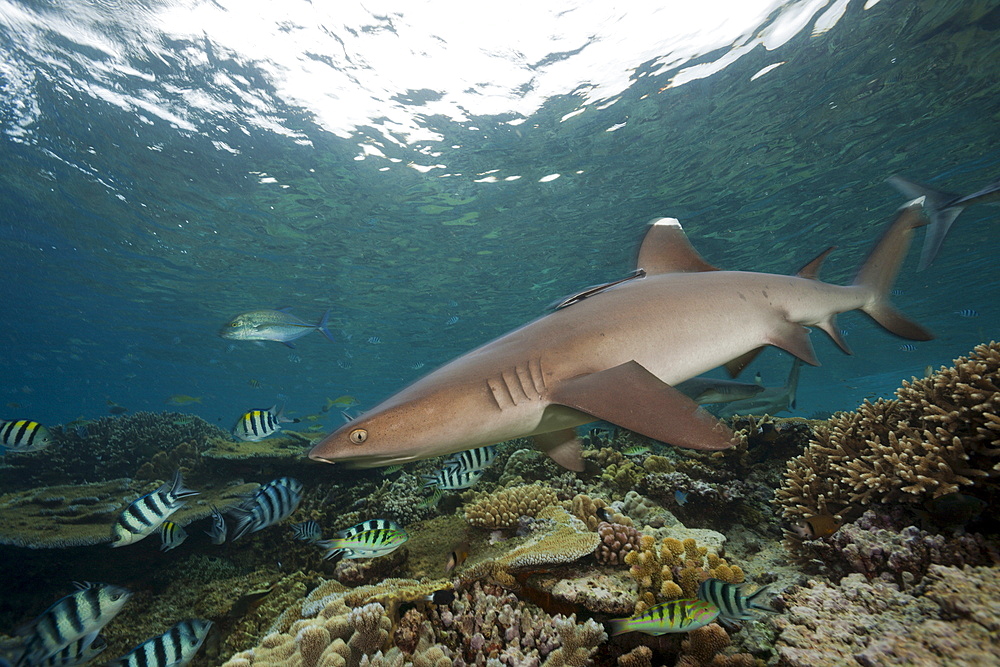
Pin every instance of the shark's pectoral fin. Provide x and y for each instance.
(563, 447)
(794, 339)
(630, 396)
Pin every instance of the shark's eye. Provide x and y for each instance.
(358, 436)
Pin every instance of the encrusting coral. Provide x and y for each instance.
(503, 508)
(941, 434)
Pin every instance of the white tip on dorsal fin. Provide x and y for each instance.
(666, 250)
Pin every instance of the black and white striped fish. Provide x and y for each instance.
(171, 535)
(308, 531)
(368, 539)
(217, 533)
(78, 653)
(271, 503)
(256, 425)
(453, 479)
(472, 459)
(729, 598)
(146, 514)
(23, 435)
(78, 616)
(174, 648)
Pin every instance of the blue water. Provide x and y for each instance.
(156, 184)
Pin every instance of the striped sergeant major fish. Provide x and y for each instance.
(174, 648)
(674, 616)
(270, 504)
(77, 617)
(80, 652)
(23, 435)
(145, 515)
(217, 533)
(307, 531)
(729, 598)
(472, 459)
(368, 539)
(256, 425)
(453, 479)
(171, 535)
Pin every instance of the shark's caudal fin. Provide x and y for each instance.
(879, 270)
(942, 215)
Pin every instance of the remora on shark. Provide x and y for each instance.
(617, 353)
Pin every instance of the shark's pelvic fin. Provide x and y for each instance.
(794, 339)
(563, 447)
(878, 273)
(735, 366)
(631, 397)
(666, 249)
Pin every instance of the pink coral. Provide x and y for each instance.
(616, 541)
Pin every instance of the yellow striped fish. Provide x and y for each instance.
(674, 616)
(256, 425)
(24, 435)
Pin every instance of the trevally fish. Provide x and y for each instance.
(174, 648)
(472, 459)
(217, 532)
(453, 479)
(368, 539)
(78, 616)
(616, 356)
(256, 425)
(308, 531)
(944, 209)
(729, 599)
(23, 435)
(144, 515)
(276, 325)
(270, 504)
(674, 616)
(171, 535)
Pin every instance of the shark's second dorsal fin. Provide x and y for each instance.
(811, 270)
(666, 249)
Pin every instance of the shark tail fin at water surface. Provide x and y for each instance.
(878, 273)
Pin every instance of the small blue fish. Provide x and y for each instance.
(681, 497)
(171, 535)
(451, 320)
(967, 312)
(417, 365)
(375, 340)
(217, 533)
(897, 292)
(307, 531)
(906, 347)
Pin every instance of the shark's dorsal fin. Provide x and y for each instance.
(666, 249)
(811, 270)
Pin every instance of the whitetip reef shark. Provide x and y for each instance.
(615, 353)
(771, 400)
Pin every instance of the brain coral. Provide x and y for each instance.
(503, 508)
(940, 434)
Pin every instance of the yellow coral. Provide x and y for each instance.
(503, 508)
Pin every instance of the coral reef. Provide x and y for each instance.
(616, 542)
(880, 545)
(941, 434)
(950, 621)
(503, 508)
(588, 510)
(702, 648)
(647, 512)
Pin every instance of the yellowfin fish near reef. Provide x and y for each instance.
(674, 616)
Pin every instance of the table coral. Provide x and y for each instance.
(941, 434)
(503, 508)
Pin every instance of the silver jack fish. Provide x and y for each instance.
(146, 514)
(617, 354)
(77, 617)
(276, 325)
